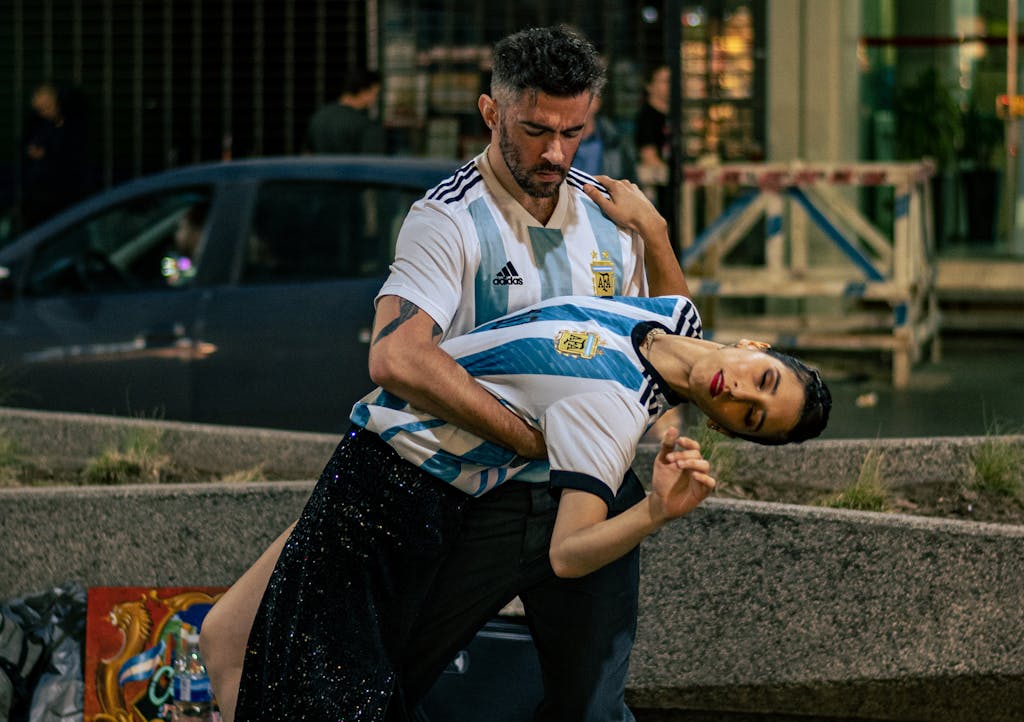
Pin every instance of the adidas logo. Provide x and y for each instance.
(507, 276)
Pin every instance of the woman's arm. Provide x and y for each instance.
(585, 540)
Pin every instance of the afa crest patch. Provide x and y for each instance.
(603, 271)
(579, 344)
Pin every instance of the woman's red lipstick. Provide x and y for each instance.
(717, 384)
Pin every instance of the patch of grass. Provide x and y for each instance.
(243, 476)
(143, 440)
(869, 492)
(998, 468)
(716, 449)
(138, 460)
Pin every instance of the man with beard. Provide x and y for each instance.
(515, 226)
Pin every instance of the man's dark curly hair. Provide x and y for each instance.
(557, 61)
(817, 404)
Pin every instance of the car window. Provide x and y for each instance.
(149, 242)
(323, 230)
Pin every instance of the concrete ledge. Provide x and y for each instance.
(65, 440)
(746, 607)
(165, 535)
(754, 607)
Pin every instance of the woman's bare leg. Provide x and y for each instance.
(225, 630)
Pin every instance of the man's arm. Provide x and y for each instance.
(584, 538)
(629, 208)
(405, 360)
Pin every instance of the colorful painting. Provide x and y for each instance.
(132, 636)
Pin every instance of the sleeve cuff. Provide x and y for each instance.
(582, 482)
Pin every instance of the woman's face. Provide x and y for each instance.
(746, 391)
(659, 85)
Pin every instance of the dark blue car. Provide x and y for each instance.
(236, 293)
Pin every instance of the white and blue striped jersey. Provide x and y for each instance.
(468, 252)
(571, 367)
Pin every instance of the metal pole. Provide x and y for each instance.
(108, 93)
(673, 57)
(197, 81)
(257, 79)
(289, 79)
(137, 100)
(1012, 123)
(319, 73)
(18, 106)
(170, 149)
(228, 88)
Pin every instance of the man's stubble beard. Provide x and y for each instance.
(522, 176)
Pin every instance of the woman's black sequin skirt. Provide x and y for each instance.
(331, 628)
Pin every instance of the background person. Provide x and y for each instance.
(345, 126)
(652, 137)
(53, 147)
(603, 149)
(179, 265)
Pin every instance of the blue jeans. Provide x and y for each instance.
(583, 628)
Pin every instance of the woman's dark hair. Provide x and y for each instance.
(557, 61)
(653, 70)
(817, 404)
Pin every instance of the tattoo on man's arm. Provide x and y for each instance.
(406, 310)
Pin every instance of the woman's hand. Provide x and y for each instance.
(680, 480)
(628, 207)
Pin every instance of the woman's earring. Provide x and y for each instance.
(714, 427)
(749, 343)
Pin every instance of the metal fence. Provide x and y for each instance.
(172, 82)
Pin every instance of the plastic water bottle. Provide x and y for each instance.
(193, 695)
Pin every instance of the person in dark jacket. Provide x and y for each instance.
(604, 150)
(345, 126)
(53, 148)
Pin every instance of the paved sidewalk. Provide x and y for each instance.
(976, 388)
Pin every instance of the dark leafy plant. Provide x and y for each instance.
(928, 120)
(982, 135)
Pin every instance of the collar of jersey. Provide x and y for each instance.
(661, 386)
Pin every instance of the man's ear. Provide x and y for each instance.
(715, 427)
(753, 345)
(488, 110)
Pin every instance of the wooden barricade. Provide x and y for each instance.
(884, 284)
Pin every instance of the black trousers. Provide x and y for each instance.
(583, 628)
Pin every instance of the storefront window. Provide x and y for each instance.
(931, 75)
(435, 57)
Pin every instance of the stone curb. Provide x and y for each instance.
(746, 607)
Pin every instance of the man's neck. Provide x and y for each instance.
(540, 208)
(352, 101)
